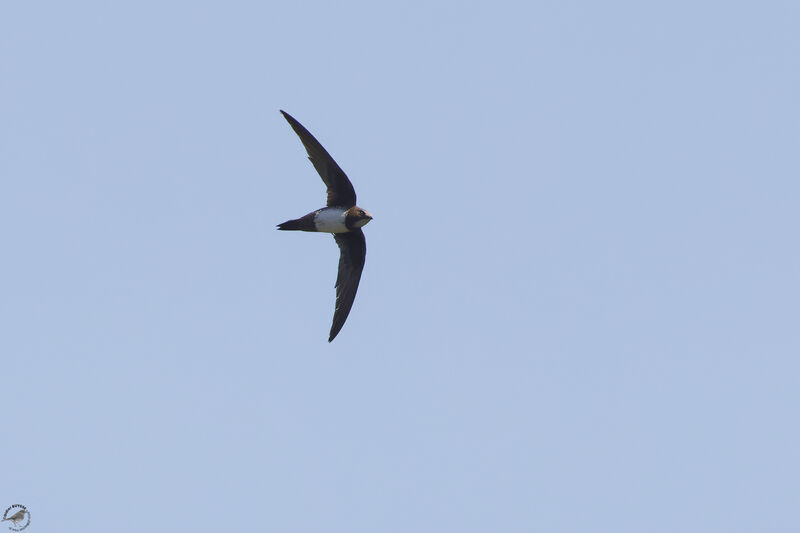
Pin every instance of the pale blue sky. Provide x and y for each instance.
(579, 311)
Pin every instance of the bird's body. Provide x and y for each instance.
(17, 517)
(341, 217)
(328, 220)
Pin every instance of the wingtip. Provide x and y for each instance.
(291, 120)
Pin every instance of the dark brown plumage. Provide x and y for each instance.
(352, 253)
(340, 190)
(342, 217)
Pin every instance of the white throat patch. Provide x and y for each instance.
(331, 220)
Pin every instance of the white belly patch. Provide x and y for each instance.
(330, 220)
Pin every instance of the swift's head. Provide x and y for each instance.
(355, 217)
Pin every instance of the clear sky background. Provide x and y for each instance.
(580, 305)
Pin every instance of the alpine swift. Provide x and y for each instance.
(341, 217)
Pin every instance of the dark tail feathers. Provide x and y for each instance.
(301, 224)
(304, 223)
(290, 224)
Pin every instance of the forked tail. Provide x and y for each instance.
(291, 224)
(305, 223)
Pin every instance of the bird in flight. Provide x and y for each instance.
(341, 217)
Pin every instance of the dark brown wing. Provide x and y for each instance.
(353, 251)
(340, 190)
